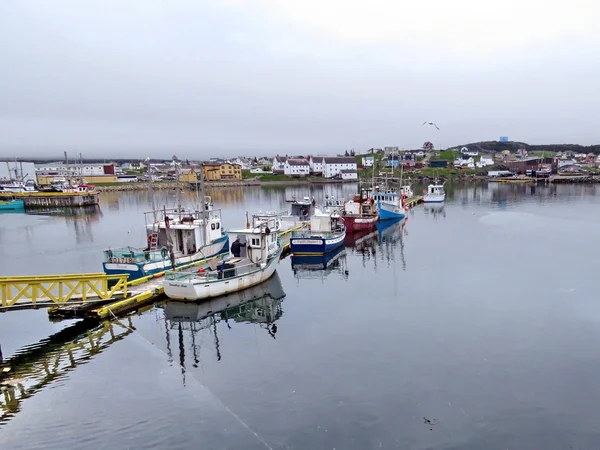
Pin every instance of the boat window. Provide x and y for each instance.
(255, 241)
(212, 226)
(218, 225)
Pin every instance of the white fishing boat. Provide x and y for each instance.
(18, 187)
(175, 237)
(435, 193)
(259, 256)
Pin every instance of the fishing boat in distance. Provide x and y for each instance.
(260, 251)
(15, 205)
(299, 214)
(435, 193)
(326, 233)
(18, 187)
(360, 213)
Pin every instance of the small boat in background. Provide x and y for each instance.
(435, 193)
(327, 232)
(12, 205)
(390, 204)
(299, 214)
(18, 187)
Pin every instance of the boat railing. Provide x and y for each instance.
(208, 275)
(315, 234)
(131, 255)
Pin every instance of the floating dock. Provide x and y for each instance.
(413, 201)
(89, 295)
(33, 200)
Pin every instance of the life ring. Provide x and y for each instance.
(149, 239)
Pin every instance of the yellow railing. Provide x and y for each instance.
(60, 288)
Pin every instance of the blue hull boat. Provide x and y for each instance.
(388, 211)
(326, 234)
(12, 205)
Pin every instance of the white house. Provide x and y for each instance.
(279, 164)
(368, 161)
(349, 174)
(466, 151)
(296, 168)
(243, 163)
(258, 170)
(484, 161)
(465, 162)
(333, 165)
(316, 164)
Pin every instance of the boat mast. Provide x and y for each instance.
(150, 191)
(202, 205)
(68, 171)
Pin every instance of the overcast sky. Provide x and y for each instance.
(203, 78)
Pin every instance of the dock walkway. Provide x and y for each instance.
(89, 295)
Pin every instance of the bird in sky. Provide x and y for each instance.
(431, 123)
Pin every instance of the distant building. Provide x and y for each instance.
(257, 170)
(333, 166)
(503, 138)
(279, 164)
(220, 172)
(484, 161)
(466, 151)
(316, 164)
(296, 168)
(61, 169)
(368, 161)
(349, 174)
(393, 161)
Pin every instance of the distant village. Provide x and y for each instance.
(346, 167)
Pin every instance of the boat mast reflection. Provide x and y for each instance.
(259, 304)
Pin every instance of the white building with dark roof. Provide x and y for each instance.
(333, 166)
(296, 168)
(279, 164)
(316, 164)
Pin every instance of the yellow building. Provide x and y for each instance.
(220, 172)
(45, 180)
(188, 176)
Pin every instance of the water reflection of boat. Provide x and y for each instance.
(435, 209)
(259, 304)
(313, 266)
(361, 239)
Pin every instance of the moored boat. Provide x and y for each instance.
(12, 205)
(390, 205)
(326, 233)
(299, 214)
(435, 193)
(260, 252)
(18, 187)
(360, 213)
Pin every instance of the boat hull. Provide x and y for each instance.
(13, 205)
(359, 223)
(140, 270)
(316, 245)
(195, 290)
(434, 198)
(388, 211)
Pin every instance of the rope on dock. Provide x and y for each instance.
(227, 408)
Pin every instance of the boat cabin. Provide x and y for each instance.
(260, 238)
(435, 189)
(361, 205)
(387, 196)
(325, 224)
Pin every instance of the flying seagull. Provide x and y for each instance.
(431, 123)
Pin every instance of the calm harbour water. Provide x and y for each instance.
(471, 326)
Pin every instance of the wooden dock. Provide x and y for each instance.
(34, 200)
(91, 295)
(413, 201)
